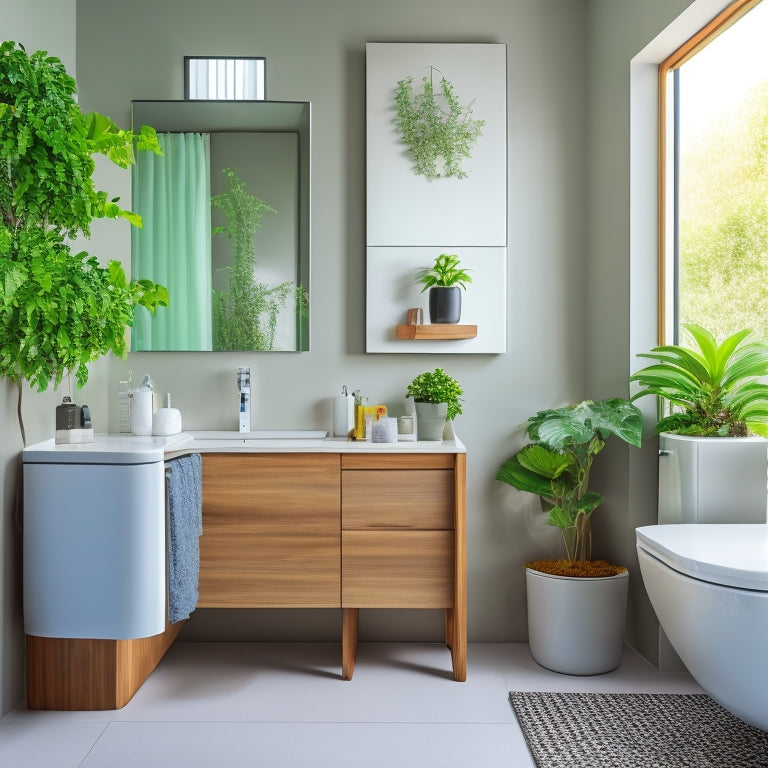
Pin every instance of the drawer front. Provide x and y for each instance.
(290, 571)
(398, 460)
(397, 569)
(421, 499)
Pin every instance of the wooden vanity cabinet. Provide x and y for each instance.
(403, 542)
(328, 530)
(270, 531)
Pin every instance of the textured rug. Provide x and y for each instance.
(636, 730)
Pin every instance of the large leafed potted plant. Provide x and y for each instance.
(59, 310)
(713, 456)
(437, 400)
(576, 605)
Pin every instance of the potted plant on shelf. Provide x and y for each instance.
(437, 401)
(444, 281)
(713, 455)
(576, 605)
(59, 310)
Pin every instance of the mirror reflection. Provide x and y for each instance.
(226, 225)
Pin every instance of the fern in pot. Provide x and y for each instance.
(576, 605)
(713, 420)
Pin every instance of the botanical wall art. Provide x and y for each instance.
(439, 131)
(436, 163)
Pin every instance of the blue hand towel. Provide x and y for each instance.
(185, 521)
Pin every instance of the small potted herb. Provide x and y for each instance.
(436, 396)
(444, 280)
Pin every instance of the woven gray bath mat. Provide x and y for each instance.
(636, 730)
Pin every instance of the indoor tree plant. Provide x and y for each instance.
(437, 399)
(59, 310)
(444, 280)
(712, 425)
(571, 627)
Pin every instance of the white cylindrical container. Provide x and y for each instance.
(343, 415)
(142, 401)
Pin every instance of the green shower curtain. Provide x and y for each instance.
(172, 192)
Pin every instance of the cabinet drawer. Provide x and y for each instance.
(397, 498)
(397, 569)
(290, 571)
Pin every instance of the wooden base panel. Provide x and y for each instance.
(84, 674)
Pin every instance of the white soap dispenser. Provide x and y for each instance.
(167, 421)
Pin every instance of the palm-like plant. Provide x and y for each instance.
(713, 391)
(557, 463)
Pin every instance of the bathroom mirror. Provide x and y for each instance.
(225, 215)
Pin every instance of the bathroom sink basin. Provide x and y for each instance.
(262, 434)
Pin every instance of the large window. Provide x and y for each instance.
(714, 178)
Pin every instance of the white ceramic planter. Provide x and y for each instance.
(430, 420)
(712, 479)
(576, 625)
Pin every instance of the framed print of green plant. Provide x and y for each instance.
(438, 130)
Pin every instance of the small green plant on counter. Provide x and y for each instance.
(245, 316)
(59, 310)
(437, 387)
(556, 465)
(713, 391)
(438, 130)
(445, 273)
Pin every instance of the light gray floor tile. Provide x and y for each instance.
(315, 745)
(261, 705)
(46, 745)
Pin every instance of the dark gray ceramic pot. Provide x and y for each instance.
(445, 305)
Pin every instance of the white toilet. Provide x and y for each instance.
(706, 571)
(708, 584)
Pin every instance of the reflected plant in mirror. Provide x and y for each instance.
(226, 226)
(245, 316)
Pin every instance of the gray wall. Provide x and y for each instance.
(570, 279)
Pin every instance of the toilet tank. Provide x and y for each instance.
(712, 479)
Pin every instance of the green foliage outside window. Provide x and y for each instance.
(724, 225)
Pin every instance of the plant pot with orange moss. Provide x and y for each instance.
(576, 605)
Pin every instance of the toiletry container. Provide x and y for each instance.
(167, 421)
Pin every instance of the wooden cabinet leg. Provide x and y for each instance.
(349, 617)
(456, 638)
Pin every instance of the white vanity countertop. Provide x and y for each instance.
(135, 449)
(327, 445)
(108, 449)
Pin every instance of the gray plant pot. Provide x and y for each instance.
(430, 420)
(576, 625)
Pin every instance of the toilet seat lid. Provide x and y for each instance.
(733, 555)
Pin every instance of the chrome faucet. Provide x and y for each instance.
(244, 388)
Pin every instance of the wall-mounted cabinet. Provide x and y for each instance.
(412, 218)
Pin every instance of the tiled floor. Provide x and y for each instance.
(285, 706)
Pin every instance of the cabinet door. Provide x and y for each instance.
(270, 531)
